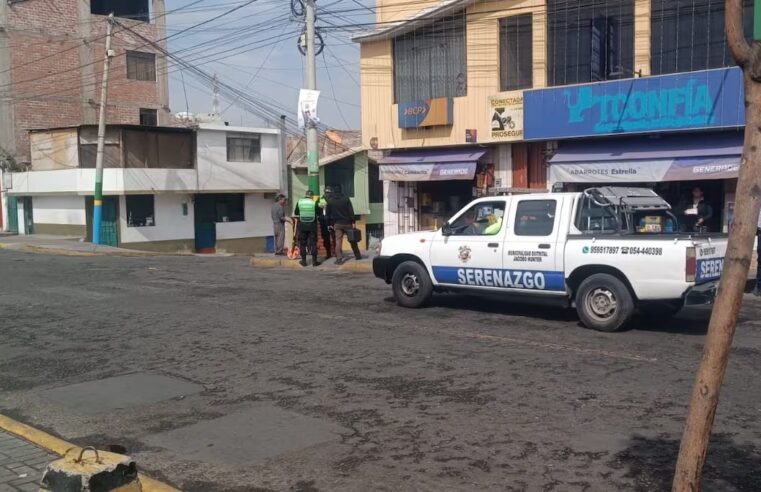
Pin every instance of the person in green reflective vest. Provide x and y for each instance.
(307, 210)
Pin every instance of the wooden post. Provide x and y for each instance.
(721, 330)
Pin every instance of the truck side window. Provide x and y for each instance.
(594, 218)
(535, 217)
(481, 219)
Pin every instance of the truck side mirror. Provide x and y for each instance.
(446, 229)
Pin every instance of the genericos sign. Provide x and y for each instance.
(428, 112)
(427, 172)
(706, 99)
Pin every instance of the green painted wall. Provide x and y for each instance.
(376, 214)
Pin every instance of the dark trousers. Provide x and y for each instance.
(758, 259)
(308, 239)
(340, 230)
(325, 236)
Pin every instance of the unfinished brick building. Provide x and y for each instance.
(51, 62)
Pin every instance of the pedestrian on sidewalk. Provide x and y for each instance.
(325, 231)
(341, 216)
(307, 211)
(278, 223)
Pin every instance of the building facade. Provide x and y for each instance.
(464, 96)
(204, 189)
(51, 63)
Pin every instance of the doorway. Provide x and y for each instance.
(13, 214)
(205, 214)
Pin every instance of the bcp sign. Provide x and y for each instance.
(426, 112)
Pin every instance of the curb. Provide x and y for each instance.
(351, 266)
(60, 447)
(31, 248)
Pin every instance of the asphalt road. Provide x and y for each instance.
(304, 380)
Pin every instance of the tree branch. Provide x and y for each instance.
(733, 23)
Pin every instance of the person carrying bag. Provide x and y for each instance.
(341, 218)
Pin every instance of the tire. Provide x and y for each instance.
(411, 285)
(604, 303)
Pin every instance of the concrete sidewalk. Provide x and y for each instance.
(21, 463)
(69, 246)
(365, 265)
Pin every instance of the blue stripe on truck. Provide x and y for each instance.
(500, 278)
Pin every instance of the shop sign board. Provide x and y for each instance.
(428, 172)
(506, 112)
(646, 171)
(705, 99)
(426, 112)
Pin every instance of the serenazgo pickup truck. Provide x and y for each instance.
(607, 251)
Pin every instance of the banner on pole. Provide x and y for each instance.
(308, 107)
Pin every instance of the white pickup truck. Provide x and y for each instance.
(607, 251)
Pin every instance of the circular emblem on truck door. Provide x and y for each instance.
(585, 249)
(464, 254)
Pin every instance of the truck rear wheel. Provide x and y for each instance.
(604, 303)
(411, 285)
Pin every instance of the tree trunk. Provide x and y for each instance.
(721, 330)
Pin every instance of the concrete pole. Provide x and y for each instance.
(313, 154)
(283, 157)
(98, 197)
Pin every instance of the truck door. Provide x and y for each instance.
(471, 253)
(531, 252)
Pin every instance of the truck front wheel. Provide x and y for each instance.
(604, 303)
(411, 285)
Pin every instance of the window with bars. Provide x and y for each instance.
(590, 40)
(141, 66)
(431, 62)
(688, 35)
(515, 52)
(244, 148)
(149, 117)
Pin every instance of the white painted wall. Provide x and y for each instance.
(170, 223)
(258, 221)
(68, 209)
(215, 173)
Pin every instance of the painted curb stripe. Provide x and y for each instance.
(59, 447)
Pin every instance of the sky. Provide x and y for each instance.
(255, 48)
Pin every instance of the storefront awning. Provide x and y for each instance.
(430, 164)
(641, 160)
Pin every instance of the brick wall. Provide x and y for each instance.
(56, 58)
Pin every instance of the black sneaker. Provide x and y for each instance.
(316, 263)
(303, 263)
(340, 261)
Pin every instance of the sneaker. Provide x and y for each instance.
(340, 261)
(316, 263)
(303, 263)
(757, 292)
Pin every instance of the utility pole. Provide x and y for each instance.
(721, 330)
(98, 198)
(313, 154)
(283, 157)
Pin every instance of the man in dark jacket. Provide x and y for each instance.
(341, 216)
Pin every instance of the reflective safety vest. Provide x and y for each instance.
(307, 210)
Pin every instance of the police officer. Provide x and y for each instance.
(307, 210)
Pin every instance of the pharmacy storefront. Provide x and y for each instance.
(672, 133)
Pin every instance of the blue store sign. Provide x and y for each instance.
(706, 99)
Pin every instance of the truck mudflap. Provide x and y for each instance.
(701, 294)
